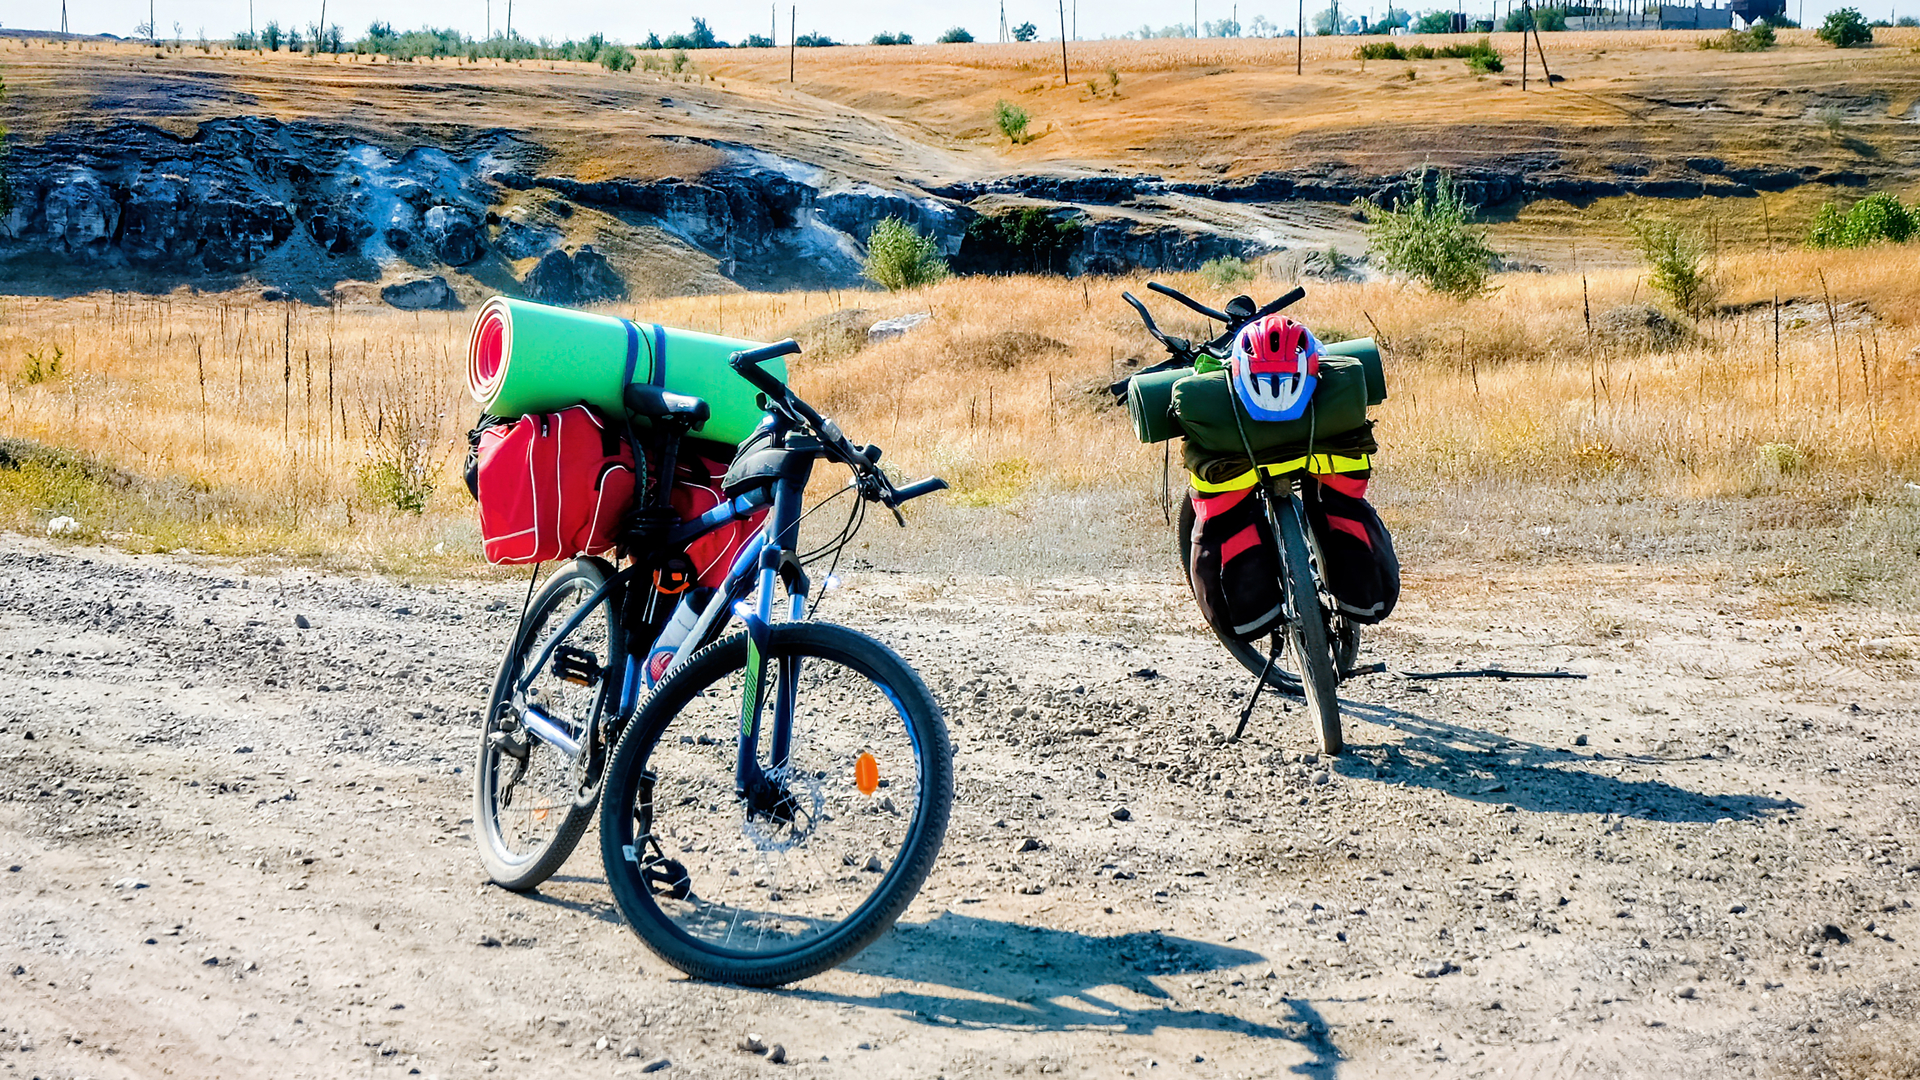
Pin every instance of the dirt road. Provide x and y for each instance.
(233, 846)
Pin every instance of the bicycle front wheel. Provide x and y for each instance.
(530, 806)
(1307, 627)
(766, 887)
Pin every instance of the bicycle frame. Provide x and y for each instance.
(766, 561)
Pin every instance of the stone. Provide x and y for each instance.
(1121, 813)
(517, 239)
(129, 883)
(752, 1043)
(422, 294)
(1834, 934)
(1029, 844)
(455, 234)
(1579, 740)
(1685, 992)
(655, 1065)
(777, 1054)
(581, 278)
(1433, 969)
(302, 622)
(874, 865)
(888, 329)
(1322, 778)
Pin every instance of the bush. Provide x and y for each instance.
(899, 257)
(1012, 120)
(757, 41)
(1435, 22)
(884, 38)
(1756, 38)
(1025, 241)
(1845, 29)
(616, 58)
(1780, 22)
(956, 35)
(1432, 239)
(1025, 32)
(1875, 219)
(1550, 19)
(1676, 258)
(1224, 273)
(815, 40)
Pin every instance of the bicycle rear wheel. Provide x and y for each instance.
(531, 801)
(1307, 626)
(768, 887)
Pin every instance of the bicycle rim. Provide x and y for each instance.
(529, 809)
(768, 890)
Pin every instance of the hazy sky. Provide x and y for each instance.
(843, 20)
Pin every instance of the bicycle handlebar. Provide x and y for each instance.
(1166, 290)
(874, 482)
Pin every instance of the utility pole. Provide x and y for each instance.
(1196, 18)
(1006, 37)
(793, 38)
(321, 41)
(151, 30)
(1076, 20)
(63, 16)
(509, 19)
(1300, 39)
(489, 20)
(1065, 79)
(773, 24)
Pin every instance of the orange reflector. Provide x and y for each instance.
(866, 774)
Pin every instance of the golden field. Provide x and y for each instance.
(233, 425)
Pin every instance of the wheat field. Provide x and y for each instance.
(223, 423)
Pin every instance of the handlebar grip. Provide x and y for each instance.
(1298, 294)
(918, 488)
(1164, 290)
(747, 358)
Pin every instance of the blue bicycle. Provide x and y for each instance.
(779, 798)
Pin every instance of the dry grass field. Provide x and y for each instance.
(225, 424)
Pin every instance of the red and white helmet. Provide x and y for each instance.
(1276, 363)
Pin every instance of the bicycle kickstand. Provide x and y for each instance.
(1258, 685)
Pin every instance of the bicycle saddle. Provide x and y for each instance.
(653, 403)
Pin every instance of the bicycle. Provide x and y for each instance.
(750, 849)
(1325, 644)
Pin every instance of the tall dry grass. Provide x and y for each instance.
(247, 424)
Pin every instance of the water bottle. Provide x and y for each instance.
(685, 615)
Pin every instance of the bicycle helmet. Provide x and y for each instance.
(1276, 363)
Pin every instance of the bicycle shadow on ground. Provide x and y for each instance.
(1005, 975)
(599, 904)
(1489, 768)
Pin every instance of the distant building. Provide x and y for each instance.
(1666, 16)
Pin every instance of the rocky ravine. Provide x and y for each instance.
(234, 846)
(302, 207)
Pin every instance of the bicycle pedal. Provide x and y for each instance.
(577, 666)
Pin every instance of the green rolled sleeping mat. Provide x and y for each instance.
(1151, 408)
(1150, 404)
(532, 358)
(1214, 419)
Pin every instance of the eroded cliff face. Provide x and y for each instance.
(303, 208)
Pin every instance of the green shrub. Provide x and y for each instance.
(1756, 38)
(1012, 120)
(1224, 273)
(1878, 218)
(1677, 262)
(1435, 22)
(1481, 57)
(1845, 29)
(956, 35)
(616, 58)
(1551, 19)
(1432, 239)
(1030, 240)
(42, 367)
(884, 38)
(899, 257)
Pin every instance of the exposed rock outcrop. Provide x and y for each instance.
(581, 278)
(422, 294)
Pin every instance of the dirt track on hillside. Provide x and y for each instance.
(232, 847)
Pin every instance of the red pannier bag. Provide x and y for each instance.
(552, 486)
(698, 474)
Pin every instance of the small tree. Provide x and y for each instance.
(1025, 32)
(1431, 237)
(956, 35)
(271, 37)
(899, 257)
(1435, 22)
(1012, 120)
(1845, 29)
(616, 58)
(1676, 259)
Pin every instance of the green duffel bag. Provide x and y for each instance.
(1214, 419)
(1150, 404)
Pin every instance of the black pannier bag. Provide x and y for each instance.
(1361, 570)
(1235, 571)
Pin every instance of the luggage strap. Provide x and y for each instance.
(1313, 463)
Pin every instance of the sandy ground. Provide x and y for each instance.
(232, 847)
